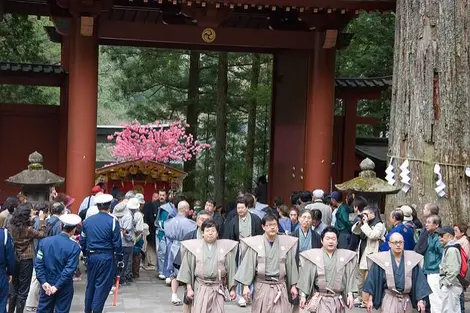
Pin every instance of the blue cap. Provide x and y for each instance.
(336, 195)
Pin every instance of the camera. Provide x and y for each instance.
(364, 215)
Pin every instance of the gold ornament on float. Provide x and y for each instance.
(208, 35)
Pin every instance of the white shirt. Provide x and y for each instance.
(91, 211)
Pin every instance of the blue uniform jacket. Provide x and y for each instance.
(407, 234)
(56, 260)
(101, 232)
(7, 253)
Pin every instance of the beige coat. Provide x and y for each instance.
(374, 236)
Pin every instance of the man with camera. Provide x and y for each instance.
(370, 230)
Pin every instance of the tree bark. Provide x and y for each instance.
(430, 114)
(221, 129)
(250, 136)
(192, 114)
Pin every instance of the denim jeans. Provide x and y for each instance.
(161, 254)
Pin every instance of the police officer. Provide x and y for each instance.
(7, 265)
(56, 262)
(101, 244)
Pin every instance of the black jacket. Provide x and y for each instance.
(232, 228)
(316, 242)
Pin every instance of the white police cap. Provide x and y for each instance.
(70, 219)
(104, 198)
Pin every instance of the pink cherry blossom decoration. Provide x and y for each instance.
(155, 142)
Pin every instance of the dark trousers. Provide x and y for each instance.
(462, 302)
(343, 241)
(136, 257)
(127, 270)
(3, 291)
(21, 281)
(101, 271)
(60, 302)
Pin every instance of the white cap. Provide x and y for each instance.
(120, 209)
(407, 213)
(140, 197)
(70, 219)
(104, 198)
(133, 204)
(318, 193)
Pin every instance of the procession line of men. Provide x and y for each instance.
(280, 268)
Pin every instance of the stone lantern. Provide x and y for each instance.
(35, 181)
(368, 185)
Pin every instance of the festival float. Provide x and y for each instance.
(146, 157)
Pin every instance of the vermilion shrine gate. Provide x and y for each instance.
(303, 36)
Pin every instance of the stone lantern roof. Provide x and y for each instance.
(35, 174)
(367, 181)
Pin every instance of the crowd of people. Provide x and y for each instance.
(318, 253)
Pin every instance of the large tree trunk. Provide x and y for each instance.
(430, 115)
(221, 129)
(192, 114)
(250, 137)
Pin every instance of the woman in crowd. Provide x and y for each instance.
(23, 235)
(207, 269)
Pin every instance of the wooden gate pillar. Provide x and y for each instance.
(82, 111)
(319, 117)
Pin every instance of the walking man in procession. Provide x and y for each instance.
(269, 262)
(395, 279)
(327, 276)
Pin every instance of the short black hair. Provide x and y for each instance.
(306, 196)
(58, 208)
(11, 203)
(294, 198)
(208, 224)
(42, 206)
(211, 201)
(268, 218)
(278, 201)
(330, 229)
(68, 229)
(360, 203)
(316, 215)
(398, 215)
(246, 199)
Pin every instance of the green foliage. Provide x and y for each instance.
(370, 54)
(23, 40)
(153, 85)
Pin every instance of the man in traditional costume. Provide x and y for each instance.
(395, 279)
(208, 267)
(175, 231)
(327, 276)
(269, 262)
(243, 225)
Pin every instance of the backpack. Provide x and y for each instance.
(50, 227)
(463, 266)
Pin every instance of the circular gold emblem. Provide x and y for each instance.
(208, 35)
